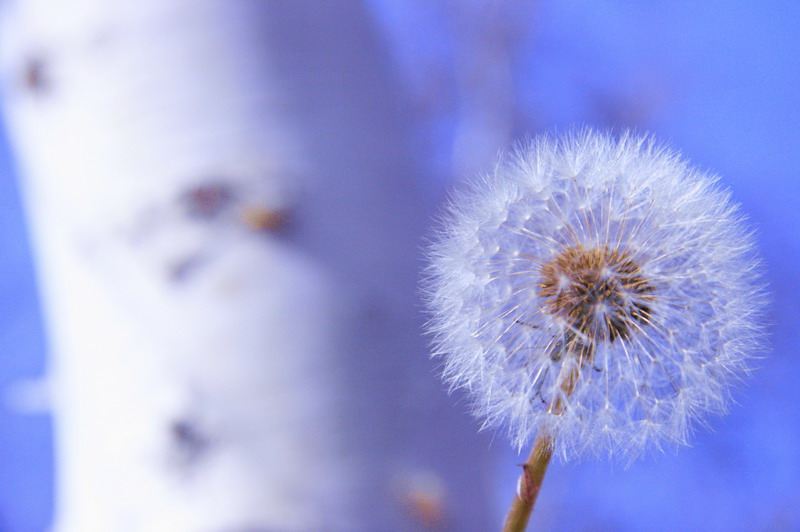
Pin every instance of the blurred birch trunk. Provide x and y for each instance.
(226, 226)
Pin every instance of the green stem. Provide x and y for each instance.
(530, 483)
(533, 470)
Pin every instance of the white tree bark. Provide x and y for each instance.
(226, 231)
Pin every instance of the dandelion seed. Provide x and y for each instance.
(597, 290)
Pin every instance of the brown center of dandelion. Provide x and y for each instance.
(600, 293)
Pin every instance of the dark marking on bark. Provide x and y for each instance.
(206, 202)
(185, 268)
(264, 220)
(426, 509)
(189, 443)
(35, 75)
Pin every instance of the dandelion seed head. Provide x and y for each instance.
(597, 288)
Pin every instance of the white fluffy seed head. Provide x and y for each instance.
(595, 288)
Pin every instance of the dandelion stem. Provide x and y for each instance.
(530, 481)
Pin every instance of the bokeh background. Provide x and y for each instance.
(717, 79)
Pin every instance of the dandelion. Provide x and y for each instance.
(596, 291)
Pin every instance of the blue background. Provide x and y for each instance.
(717, 79)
